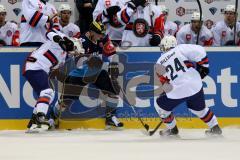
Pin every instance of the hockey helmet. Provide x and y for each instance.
(97, 27)
(2, 8)
(164, 9)
(64, 7)
(168, 42)
(229, 8)
(196, 16)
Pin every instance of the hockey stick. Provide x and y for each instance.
(155, 129)
(200, 9)
(235, 25)
(146, 126)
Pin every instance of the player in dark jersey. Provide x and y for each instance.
(97, 47)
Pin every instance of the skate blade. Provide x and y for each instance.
(176, 137)
(113, 128)
(37, 129)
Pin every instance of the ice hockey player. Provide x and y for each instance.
(38, 16)
(114, 29)
(9, 34)
(143, 21)
(68, 28)
(91, 72)
(170, 28)
(187, 34)
(223, 31)
(39, 63)
(186, 84)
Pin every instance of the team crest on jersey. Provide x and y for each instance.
(224, 33)
(140, 27)
(188, 37)
(9, 33)
(70, 34)
(12, 1)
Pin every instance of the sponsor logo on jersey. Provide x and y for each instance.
(9, 33)
(12, 1)
(180, 11)
(213, 10)
(17, 11)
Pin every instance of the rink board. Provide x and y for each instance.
(221, 91)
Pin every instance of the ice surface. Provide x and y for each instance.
(118, 145)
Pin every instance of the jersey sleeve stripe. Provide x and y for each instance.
(50, 56)
(203, 61)
(35, 18)
(124, 16)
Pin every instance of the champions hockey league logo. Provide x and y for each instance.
(17, 11)
(12, 1)
(213, 10)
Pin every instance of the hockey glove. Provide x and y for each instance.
(111, 11)
(155, 40)
(203, 71)
(65, 43)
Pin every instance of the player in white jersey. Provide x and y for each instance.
(170, 28)
(114, 30)
(143, 23)
(68, 28)
(187, 34)
(8, 31)
(186, 82)
(51, 55)
(223, 31)
(37, 17)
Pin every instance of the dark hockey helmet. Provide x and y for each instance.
(97, 27)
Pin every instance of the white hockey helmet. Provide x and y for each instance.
(229, 8)
(64, 7)
(2, 8)
(164, 8)
(196, 16)
(168, 42)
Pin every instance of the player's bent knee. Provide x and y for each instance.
(48, 93)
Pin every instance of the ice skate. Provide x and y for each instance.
(38, 123)
(169, 132)
(214, 131)
(112, 122)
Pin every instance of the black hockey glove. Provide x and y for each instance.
(65, 43)
(203, 71)
(155, 40)
(112, 11)
(135, 3)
